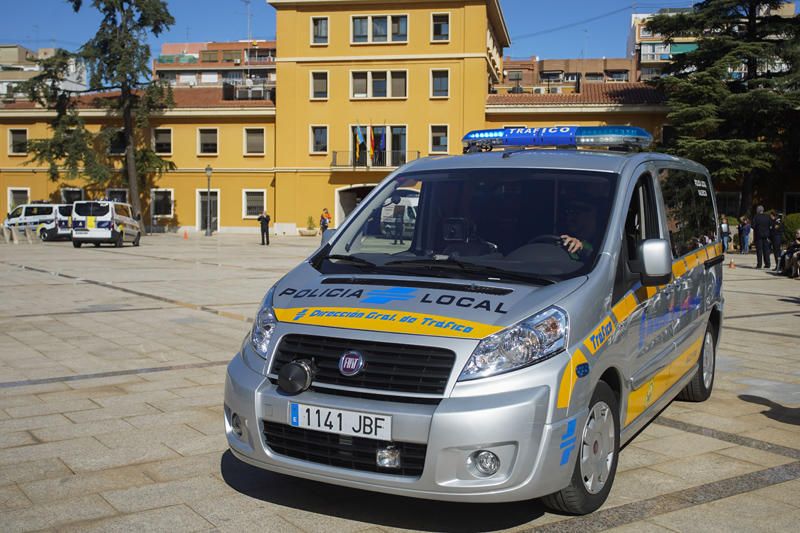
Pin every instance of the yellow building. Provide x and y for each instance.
(362, 87)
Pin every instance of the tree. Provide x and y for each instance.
(117, 61)
(735, 100)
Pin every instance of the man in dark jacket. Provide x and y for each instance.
(776, 234)
(264, 220)
(761, 224)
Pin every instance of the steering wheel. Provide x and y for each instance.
(547, 238)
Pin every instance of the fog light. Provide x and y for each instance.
(485, 462)
(388, 457)
(236, 425)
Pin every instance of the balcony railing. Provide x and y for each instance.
(259, 89)
(380, 159)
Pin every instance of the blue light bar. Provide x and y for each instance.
(609, 136)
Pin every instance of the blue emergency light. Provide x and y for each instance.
(607, 136)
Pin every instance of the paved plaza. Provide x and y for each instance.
(112, 364)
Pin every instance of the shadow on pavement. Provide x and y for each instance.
(373, 507)
(787, 415)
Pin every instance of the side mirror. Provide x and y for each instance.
(655, 262)
(138, 216)
(327, 235)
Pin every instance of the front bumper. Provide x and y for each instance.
(510, 424)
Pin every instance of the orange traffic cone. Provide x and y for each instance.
(732, 264)
(185, 235)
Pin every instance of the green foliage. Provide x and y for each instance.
(117, 61)
(310, 223)
(745, 129)
(791, 223)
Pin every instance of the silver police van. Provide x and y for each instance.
(547, 306)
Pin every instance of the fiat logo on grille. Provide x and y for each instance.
(351, 363)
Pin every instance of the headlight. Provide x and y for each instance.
(263, 327)
(533, 340)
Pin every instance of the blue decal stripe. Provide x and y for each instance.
(565, 455)
(569, 442)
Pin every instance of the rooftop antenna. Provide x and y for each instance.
(249, 37)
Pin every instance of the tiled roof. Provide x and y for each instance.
(632, 93)
(185, 97)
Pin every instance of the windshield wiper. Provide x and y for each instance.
(472, 268)
(350, 259)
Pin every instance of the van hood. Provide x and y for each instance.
(418, 305)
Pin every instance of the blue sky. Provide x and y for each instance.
(547, 28)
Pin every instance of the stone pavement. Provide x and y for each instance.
(112, 363)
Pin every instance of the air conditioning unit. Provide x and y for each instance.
(237, 61)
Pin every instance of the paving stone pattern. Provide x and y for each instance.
(112, 364)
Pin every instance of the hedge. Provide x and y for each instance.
(791, 223)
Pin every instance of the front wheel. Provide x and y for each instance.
(596, 464)
(699, 389)
(43, 234)
(76, 244)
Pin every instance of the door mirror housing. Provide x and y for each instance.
(655, 262)
(327, 235)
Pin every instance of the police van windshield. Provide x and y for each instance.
(91, 209)
(531, 225)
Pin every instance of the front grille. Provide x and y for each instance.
(355, 453)
(389, 367)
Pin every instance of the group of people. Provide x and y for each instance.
(767, 230)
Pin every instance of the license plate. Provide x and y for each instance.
(351, 423)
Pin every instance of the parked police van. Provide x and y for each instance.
(549, 304)
(47, 221)
(100, 222)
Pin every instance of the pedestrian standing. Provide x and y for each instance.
(264, 221)
(776, 234)
(761, 225)
(324, 220)
(744, 235)
(725, 229)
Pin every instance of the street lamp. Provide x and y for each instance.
(209, 171)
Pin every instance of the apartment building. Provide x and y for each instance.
(555, 76)
(18, 64)
(246, 69)
(364, 87)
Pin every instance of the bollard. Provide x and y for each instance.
(29, 235)
(6, 235)
(14, 235)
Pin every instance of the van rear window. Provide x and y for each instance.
(91, 209)
(65, 210)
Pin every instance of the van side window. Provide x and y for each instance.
(641, 223)
(690, 210)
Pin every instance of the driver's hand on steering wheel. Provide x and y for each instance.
(572, 244)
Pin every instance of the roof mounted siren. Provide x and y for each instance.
(615, 137)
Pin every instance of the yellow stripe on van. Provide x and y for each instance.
(678, 269)
(386, 320)
(643, 397)
(623, 309)
(91, 222)
(569, 378)
(599, 336)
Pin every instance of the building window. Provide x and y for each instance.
(254, 141)
(162, 141)
(207, 141)
(161, 203)
(319, 30)
(379, 84)
(378, 146)
(440, 83)
(71, 194)
(17, 142)
(231, 76)
(319, 85)
(116, 145)
(594, 76)
(619, 75)
(439, 139)
(441, 27)
(571, 76)
(231, 56)
(18, 197)
(728, 203)
(209, 77)
(254, 202)
(550, 76)
(117, 195)
(360, 29)
(319, 139)
(399, 28)
(209, 56)
(644, 32)
(514, 75)
(376, 28)
(380, 29)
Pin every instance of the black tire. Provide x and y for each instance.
(76, 244)
(137, 239)
(96, 244)
(699, 389)
(118, 241)
(43, 235)
(576, 498)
